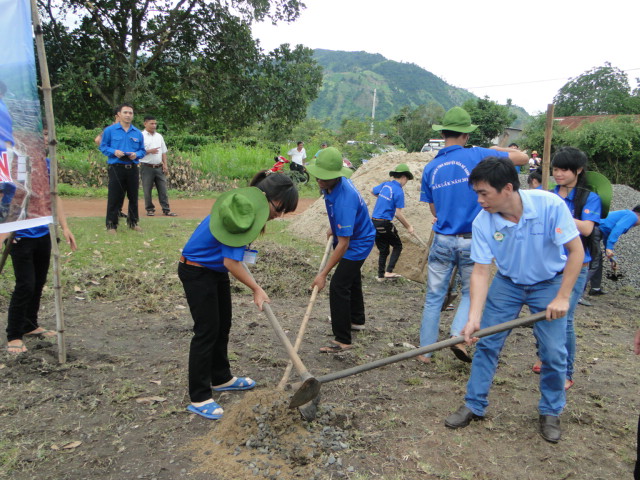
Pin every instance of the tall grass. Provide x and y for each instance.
(229, 161)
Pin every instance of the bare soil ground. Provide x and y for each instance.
(116, 410)
(185, 207)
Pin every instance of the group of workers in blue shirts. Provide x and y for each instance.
(482, 217)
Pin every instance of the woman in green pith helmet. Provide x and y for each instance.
(217, 247)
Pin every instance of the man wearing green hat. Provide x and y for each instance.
(390, 204)
(454, 204)
(353, 235)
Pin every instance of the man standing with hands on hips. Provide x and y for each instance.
(123, 145)
(154, 168)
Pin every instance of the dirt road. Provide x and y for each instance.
(185, 207)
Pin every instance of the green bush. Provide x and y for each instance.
(71, 137)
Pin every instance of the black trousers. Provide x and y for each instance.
(387, 236)
(595, 266)
(30, 258)
(209, 297)
(345, 299)
(122, 181)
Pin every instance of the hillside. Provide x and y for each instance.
(350, 78)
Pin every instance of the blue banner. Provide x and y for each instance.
(24, 177)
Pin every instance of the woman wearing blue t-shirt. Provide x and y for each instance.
(353, 235)
(568, 167)
(390, 203)
(215, 248)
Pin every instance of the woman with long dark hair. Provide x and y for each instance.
(216, 248)
(569, 167)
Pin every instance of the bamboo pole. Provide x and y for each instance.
(53, 177)
(546, 152)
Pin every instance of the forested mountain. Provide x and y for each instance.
(350, 78)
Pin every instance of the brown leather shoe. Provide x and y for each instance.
(550, 428)
(461, 418)
(460, 351)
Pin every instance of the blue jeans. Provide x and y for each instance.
(446, 252)
(504, 302)
(576, 293)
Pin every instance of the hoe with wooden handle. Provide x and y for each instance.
(310, 387)
(307, 314)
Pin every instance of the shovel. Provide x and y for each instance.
(307, 314)
(310, 387)
(451, 295)
(485, 332)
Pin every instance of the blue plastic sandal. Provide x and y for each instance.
(241, 383)
(206, 410)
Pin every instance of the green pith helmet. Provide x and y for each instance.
(328, 165)
(456, 120)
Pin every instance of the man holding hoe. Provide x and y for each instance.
(515, 226)
(454, 205)
(354, 235)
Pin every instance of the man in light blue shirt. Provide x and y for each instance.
(514, 227)
(445, 187)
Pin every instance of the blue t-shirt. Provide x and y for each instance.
(445, 183)
(115, 138)
(591, 211)
(544, 227)
(40, 230)
(390, 196)
(203, 248)
(617, 223)
(349, 217)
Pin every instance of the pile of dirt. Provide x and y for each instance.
(261, 437)
(313, 223)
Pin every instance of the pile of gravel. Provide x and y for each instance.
(625, 197)
(261, 437)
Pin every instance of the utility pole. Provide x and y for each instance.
(373, 112)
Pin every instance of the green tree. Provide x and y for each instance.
(600, 91)
(533, 135)
(192, 60)
(491, 119)
(413, 127)
(613, 146)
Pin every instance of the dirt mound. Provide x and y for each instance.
(261, 437)
(313, 223)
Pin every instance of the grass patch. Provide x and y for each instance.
(111, 267)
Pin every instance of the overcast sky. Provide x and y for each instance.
(522, 50)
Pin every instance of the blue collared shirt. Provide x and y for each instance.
(532, 250)
(129, 141)
(390, 196)
(349, 217)
(445, 183)
(591, 211)
(205, 249)
(616, 224)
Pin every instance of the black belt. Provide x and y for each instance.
(125, 165)
(159, 165)
(380, 220)
(461, 235)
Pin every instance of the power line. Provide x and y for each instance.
(537, 81)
